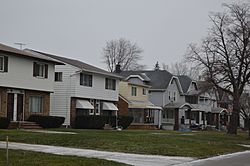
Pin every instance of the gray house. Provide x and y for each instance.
(166, 92)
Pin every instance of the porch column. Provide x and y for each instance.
(176, 116)
(15, 108)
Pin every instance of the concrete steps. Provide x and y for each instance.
(24, 125)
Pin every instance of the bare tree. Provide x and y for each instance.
(122, 52)
(245, 110)
(182, 68)
(224, 54)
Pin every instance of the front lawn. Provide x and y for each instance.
(192, 144)
(27, 158)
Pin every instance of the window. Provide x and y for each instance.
(3, 64)
(110, 84)
(97, 107)
(91, 111)
(58, 76)
(40, 70)
(133, 91)
(85, 79)
(174, 96)
(36, 104)
(144, 91)
(170, 114)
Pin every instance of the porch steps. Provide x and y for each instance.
(143, 127)
(24, 125)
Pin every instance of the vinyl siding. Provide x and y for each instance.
(20, 75)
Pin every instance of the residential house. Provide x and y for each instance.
(134, 101)
(165, 91)
(82, 89)
(26, 83)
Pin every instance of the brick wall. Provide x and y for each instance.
(3, 102)
(72, 112)
(46, 103)
(122, 107)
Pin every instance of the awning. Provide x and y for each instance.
(178, 105)
(109, 106)
(84, 104)
(218, 110)
(143, 105)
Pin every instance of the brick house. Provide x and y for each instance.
(26, 82)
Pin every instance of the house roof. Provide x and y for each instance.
(79, 64)
(185, 82)
(218, 110)
(159, 79)
(177, 105)
(22, 53)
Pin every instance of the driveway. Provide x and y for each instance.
(128, 158)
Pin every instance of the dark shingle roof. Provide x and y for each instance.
(79, 64)
(10, 50)
(159, 79)
(185, 82)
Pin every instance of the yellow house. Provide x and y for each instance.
(134, 101)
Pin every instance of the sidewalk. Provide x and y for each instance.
(128, 158)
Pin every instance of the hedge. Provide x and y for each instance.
(4, 122)
(98, 122)
(90, 122)
(47, 121)
(123, 121)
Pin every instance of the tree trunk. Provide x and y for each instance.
(234, 118)
(248, 124)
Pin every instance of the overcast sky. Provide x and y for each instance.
(79, 29)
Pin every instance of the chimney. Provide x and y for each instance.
(118, 68)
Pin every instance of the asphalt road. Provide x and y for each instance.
(234, 159)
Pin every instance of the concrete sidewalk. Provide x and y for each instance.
(128, 158)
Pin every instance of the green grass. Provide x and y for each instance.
(170, 143)
(27, 158)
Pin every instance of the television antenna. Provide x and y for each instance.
(20, 45)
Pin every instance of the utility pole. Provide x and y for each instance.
(20, 45)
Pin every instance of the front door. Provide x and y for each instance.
(10, 106)
(15, 106)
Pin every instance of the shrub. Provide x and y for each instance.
(123, 121)
(90, 122)
(47, 121)
(4, 122)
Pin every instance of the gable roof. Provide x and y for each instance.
(158, 79)
(185, 82)
(22, 53)
(79, 64)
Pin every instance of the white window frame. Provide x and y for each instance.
(30, 104)
(92, 111)
(133, 91)
(97, 107)
(39, 74)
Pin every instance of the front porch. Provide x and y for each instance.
(178, 116)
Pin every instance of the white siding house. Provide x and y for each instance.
(26, 81)
(82, 89)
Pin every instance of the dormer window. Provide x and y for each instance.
(40, 70)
